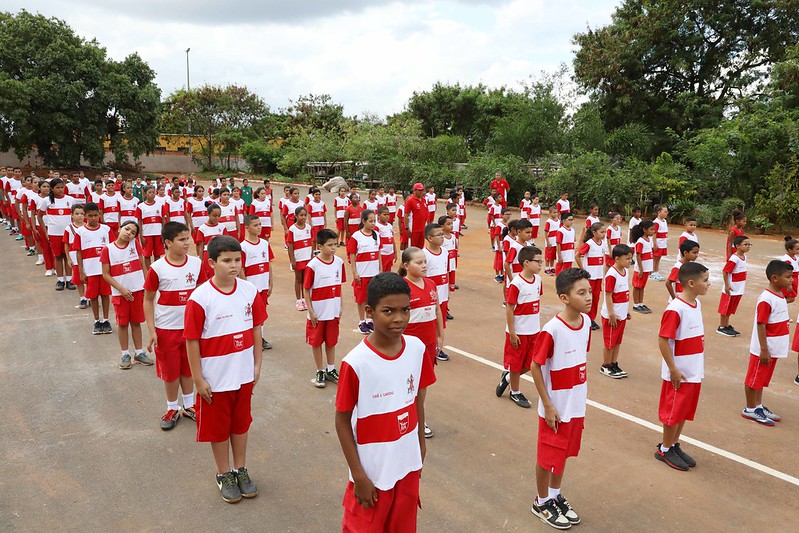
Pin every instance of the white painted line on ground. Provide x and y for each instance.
(654, 427)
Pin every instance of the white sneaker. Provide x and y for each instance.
(50, 272)
(40, 261)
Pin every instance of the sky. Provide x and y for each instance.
(368, 55)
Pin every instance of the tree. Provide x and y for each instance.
(62, 95)
(676, 64)
(314, 112)
(223, 118)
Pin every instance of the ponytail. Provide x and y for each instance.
(407, 257)
(592, 230)
(790, 242)
(638, 231)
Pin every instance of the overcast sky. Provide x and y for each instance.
(368, 55)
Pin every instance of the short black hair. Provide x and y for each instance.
(443, 219)
(250, 218)
(90, 207)
(451, 205)
(172, 230)
(299, 210)
(325, 235)
(776, 267)
(385, 284)
(523, 223)
(687, 245)
(220, 244)
(565, 215)
(212, 207)
(527, 253)
(430, 228)
(567, 278)
(737, 241)
(621, 250)
(689, 271)
(690, 219)
(382, 209)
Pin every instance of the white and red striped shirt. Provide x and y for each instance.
(634, 221)
(199, 213)
(263, 210)
(95, 197)
(241, 208)
(300, 238)
(430, 200)
(450, 245)
(371, 204)
(288, 210)
(125, 265)
(524, 207)
(78, 191)
(391, 203)
(255, 261)
(90, 242)
(771, 310)
(563, 206)
(175, 210)
(386, 234)
(57, 214)
(551, 227)
(565, 237)
(682, 325)
(512, 256)
(223, 322)
(661, 233)
(381, 200)
(424, 302)
(341, 205)
(590, 220)
(736, 268)
(438, 271)
(644, 247)
(367, 253)
(207, 232)
(525, 297)
(152, 218)
(685, 236)
(317, 211)
(109, 207)
(381, 393)
(613, 236)
(535, 214)
(127, 209)
(593, 254)
(174, 284)
(561, 351)
(69, 240)
(616, 283)
(324, 281)
(228, 217)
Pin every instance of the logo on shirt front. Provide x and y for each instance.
(238, 341)
(248, 310)
(263, 254)
(190, 277)
(126, 268)
(411, 386)
(434, 295)
(402, 422)
(131, 251)
(103, 240)
(183, 297)
(581, 373)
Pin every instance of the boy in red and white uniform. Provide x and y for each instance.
(380, 399)
(223, 343)
(689, 251)
(559, 373)
(438, 271)
(612, 236)
(341, 203)
(591, 258)
(241, 210)
(524, 206)
(55, 212)
(430, 200)
(109, 207)
(352, 216)
(322, 289)
(590, 220)
(563, 205)
(661, 241)
(150, 215)
(381, 197)
(175, 208)
(90, 239)
(172, 278)
(689, 233)
(371, 202)
(564, 243)
(522, 322)
(229, 213)
(391, 203)
(363, 250)
(615, 309)
(643, 235)
(98, 191)
(403, 229)
(288, 210)
(256, 256)
(450, 243)
(197, 211)
(512, 266)
(317, 211)
(71, 252)
(551, 227)
(770, 339)
(388, 248)
(207, 232)
(127, 205)
(416, 215)
(261, 207)
(300, 251)
(535, 215)
(734, 276)
(681, 342)
(77, 190)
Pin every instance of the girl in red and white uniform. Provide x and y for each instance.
(792, 258)
(612, 236)
(564, 242)
(256, 255)
(498, 233)
(535, 216)
(318, 213)
(288, 210)
(391, 203)
(241, 210)
(150, 215)
(430, 199)
(635, 219)
(98, 191)
(198, 214)
(661, 241)
(261, 207)
(229, 213)
(353, 215)
(403, 229)
(593, 250)
(175, 208)
(525, 204)
(371, 201)
(109, 208)
(438, 271)
(127, 205)
(341, 203)
(551, 227)
(77, 190)
(55, 213)
(207, 231)
(40, 232)
(643, 234)
(363, 249)
(71, 252)
(123, 269)
(590, 220)
(300, 250)
(388, 248)
(23, 199)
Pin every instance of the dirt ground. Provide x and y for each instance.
(82, 447)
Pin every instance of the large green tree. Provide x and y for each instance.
(65, 97)
(678, 64)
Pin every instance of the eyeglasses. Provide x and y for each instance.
(539, 261)
(436, 234)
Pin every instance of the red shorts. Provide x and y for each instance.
(340, 224)
(395, 509)
(758, 376)
(352, 230)
(56, 245)
(596, 292)
(228, 414)
(417, 239)
(196, 236)
(387, 262)
(519, 360)
(613, 336)
(171, 360)
(640, 279)
(444, 311)
(795, 344)
(498, 266)
(728, 305)
(153, 246)
(554, 447)
(76, 275)
(535, 232)
(325, 332)
(96, 286)
(677, 406)
(660, 252)
(265, 298)
(266, 232)
(314, 232)
(359, 289)
(560, 267)
(550, 253)
(114, 228)
(391, 217)
(127, 311)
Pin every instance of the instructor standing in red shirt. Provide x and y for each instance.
(502, 186)
(416, 215)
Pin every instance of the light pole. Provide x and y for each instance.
(188, 89)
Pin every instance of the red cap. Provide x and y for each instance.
(418, 187)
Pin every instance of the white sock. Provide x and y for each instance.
(125, 352)
(759, 406)
(97, 321)
(553, 493)
(105, 320)
(368, 321)
(515, 392)
(188, 400)
(331, 368)
(748, 410)
(139, 352)
(507, 377)
(541, 501)
(664, 449)
(41, 257)
(172, 406)
(63, 278)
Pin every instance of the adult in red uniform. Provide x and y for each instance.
(502, 186)
(416, 215)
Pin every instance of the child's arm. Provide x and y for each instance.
(420, 420)
(670, 289)
(675, 375)
(439, 328)
(306, 293)
(550, 412)
(765, 356)
(557, 251)
(507, 270)
(609, 304)
(293, 261)
(578, 260)
(81, 272)
(364, 490)
(202, 387)
(125, 293)
(509, 320)
(726, 277)
(728, 245)
(257, 353)
(353, 268)
(149, 316)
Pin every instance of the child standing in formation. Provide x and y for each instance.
(388, 248)
(324, 276)
(207, 232)
(341, 203)
(525, 205)
(590, 220)
(353, 215)
(612, 236)
(689, 251)
(689, 233)
(734, 276)
(642, 235)
(109, 207)
(90, 239)
(737, 230)
(563, 205)
(594, 251)
(635, 219)
(150, 215)
(363, 250)
(371, 201)
(57, 208)
(791, 257)
(615, 310)
(450, 246)
(564, 243)
(661, 241)
(256, 257)
(261, 207)
(71, 252)
(300, 251)
(288, 212)
(438, 271)
(318, 214)
(391, 203)
(430, 201)
(551, 227)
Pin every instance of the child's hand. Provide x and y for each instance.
(312, 317)
(256, 375)
(612, 319)
(356, 278)
(204, 390)
(153, 343)
(126, 294)
(765, 357)
(676, 378)
(514, 340)
(293, 265)
(365, 492)
(551, 416)
(727, 290)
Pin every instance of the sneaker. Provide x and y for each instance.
(298, 305)
(449, 316)
(610, 371)
(265, 344)
(656, 276)
(229, 487)
(647, 310)
(189, 413)
(319, 380)
(97, 329)
(455, 287)
(371, 326)
(71, 286)
(364, 328)
(796, 380)
(550, 514)
(442, 356)
(671, 458)
(724, 331)
(331, 376)
(143, 358)
(758, 416)
(427, 431)
(735, 333)
(31, 252)
(246, 485)
(124, 362)
(84, 303)
(60, 285)
(520, 400)
(771, 415)
(619, 370)
(49, 273)
(566, 510)
(18, 238)
(594, 326)
(684, 456)
(303, 305)
(106, 325)
(499, 279)
(503, 383)
(170, 419)
(40, 262)
(639, 309)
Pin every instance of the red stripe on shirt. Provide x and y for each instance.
(325, 293)
(226, 344)
(567, 378)
(691, 346)
(387, 427)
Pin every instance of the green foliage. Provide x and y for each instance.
(314, 112)
(779, 199)
(484, 165)
(261, 156)
(308, 145)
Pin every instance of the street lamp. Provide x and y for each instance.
(188, 89)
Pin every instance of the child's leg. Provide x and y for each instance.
(96, 308)
(135, 332)
(222, 455)
(724, 321)
(656, 263)
(614, 358)
(330, 355)
(515, 381)
(607, 355)
(186, 385)
(298, 284)
(678, 432)
(59, 266)
(122, 335)
(542, 482)
(171, 388)
(317, 357)
(636, 295)
(671, 433)
(81, 290)
(239, 445)
(106, 305)
(642, 293)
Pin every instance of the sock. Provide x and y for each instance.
(188, 400)
(515, 392)
(507, 377)
(368, 321)
(139, 352)
(541, 501)
(63, 278)
(664, 449)
(97, 321)
(105, 320)
(172, 406)
(553, 493)
(41, 257)
(758, 406)
(330, 368)
(748, 410)
(125, 352)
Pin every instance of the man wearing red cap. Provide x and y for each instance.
(416, 215)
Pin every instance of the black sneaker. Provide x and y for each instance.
(97, 329)
(520, 400)
(442, 356)
(265, 344)
(331, 376)
(671, 458)
(550, 514)
(647, 310)
(84, 303)
(143, 359)
(71, 286)
(725, 331)
(639, 309)
(566, 510)
(60, 285)
(229, 487)
(106, 325)
(170, 419)
(449, 316)
(246, 485)
(735, 333)
(319, 380)
(594, 326)
(189, 412)
(610, 371)
(684, 456)
(619, 370)
(503, 383)
(796, 380)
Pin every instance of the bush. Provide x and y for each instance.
(779, 199)
(484, 165)
(680, 209)
(261, 156)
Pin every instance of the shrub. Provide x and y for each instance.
(261, 156)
